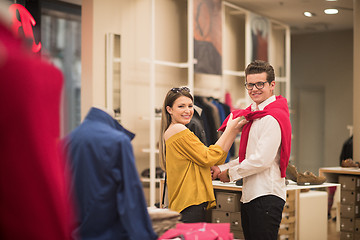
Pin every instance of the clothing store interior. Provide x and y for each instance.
(118, 117)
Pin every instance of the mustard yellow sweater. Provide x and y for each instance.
(188, 163)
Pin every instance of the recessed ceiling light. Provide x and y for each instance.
(331, 0)
(309, 14)
(331, 11)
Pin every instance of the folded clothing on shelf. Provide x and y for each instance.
(163, 219)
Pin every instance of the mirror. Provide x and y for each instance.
(113, 73)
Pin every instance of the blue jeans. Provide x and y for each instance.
(261, 217)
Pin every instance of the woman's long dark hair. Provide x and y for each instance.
(170, 98)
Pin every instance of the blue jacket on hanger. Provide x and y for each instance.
(108, 192)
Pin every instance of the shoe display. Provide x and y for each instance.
(349, 163)
(291, 172)
(308, 178)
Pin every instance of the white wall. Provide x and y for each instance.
(322, 61)
(132, 20)
(97, 20)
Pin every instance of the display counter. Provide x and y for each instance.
(349, 181)
(332, 173)
(297, 206)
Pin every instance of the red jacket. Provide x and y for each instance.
(280, 111)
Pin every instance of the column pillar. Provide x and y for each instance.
(87, 62)
(356, 85)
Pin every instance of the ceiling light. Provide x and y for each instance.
(309, 14)
(331, 11)
(331, 0)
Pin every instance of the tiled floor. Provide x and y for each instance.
(332, 233)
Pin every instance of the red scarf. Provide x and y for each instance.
(280, 111)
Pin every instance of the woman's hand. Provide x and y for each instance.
(215, 170)
(236, 124)
(233, 128)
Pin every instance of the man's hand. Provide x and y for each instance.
(224, 176)
(215, 170)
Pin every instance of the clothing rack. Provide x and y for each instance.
(215, 93)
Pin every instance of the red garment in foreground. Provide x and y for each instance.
(199, 231)
(280, 111)
(34, 199)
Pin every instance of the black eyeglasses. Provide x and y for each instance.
(176, 90)
(258, 85)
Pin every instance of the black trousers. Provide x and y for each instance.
(194, 213)
(261, 217)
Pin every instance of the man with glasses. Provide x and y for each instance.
(263, 155)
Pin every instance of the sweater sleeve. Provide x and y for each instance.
(185, 145)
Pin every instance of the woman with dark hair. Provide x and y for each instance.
(187, 160)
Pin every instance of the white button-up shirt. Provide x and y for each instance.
(260, 169)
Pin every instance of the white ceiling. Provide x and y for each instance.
(291, 12)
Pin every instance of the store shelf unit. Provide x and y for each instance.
(153, 62)
(237, 46)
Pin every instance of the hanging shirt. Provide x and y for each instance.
(110, 199)
(347, 149)
(260, 169)
(188, 163)
(196, 125)
(208, 119)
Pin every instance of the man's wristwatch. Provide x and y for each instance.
(227, 174)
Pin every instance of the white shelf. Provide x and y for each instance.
(234, 73)
(148, 118)
(147, 180)
(168, 63)
(148, 150)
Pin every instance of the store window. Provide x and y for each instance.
(53, 28)
(61, 43)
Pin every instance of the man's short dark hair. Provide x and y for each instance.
(259, 66)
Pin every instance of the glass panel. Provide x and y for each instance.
(61, 44)
(113, 73)
(117, 76)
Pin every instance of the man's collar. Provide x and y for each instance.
(262, 105)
